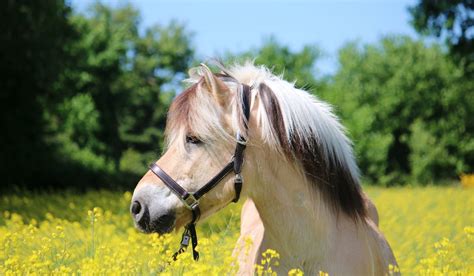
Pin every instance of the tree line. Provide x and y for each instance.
(84, 96)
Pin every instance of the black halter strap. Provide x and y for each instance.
(191, 199)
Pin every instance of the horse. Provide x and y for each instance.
(296, 163)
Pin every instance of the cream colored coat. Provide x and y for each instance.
(352, 254)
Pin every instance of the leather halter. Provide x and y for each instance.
(191, 199)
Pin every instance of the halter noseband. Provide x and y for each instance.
(191, 199)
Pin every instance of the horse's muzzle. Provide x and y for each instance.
(148, 223)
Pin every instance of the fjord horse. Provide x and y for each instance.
(300, 176)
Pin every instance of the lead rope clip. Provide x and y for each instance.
(189, 234)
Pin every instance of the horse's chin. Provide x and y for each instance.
(162, 231)
(164, 224)
(157, 226)
(159, 230)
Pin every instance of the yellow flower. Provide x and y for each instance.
(103, 239)
(295, 272)
(467, 180)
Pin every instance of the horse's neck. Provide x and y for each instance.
(296, 220)
(300, 226)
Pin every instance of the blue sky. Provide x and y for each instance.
(239, 25)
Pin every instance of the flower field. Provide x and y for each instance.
(431, 231)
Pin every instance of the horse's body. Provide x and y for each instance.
(305, 200)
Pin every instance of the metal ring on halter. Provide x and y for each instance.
(240, 139)
(190, 202)
(238, 178)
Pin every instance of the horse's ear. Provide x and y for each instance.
(218, 89)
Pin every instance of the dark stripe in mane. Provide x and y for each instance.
(272, 108)
(333, 179)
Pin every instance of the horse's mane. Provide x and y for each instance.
(299, 126)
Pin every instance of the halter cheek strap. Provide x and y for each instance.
(190, 199)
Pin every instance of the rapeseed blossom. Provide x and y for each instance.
(431, 231)
(467, 180)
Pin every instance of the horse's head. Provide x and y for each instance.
(292, 135)
(201, 128)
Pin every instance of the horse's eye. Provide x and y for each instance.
(192, 140)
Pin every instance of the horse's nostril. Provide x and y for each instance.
(143, 218)
(136, 207)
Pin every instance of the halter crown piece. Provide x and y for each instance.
(191, 199)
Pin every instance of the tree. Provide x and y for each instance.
(84, 96)
(121, 76)
(159, 61)
(407, 109)
(451, 20)
(35, 38)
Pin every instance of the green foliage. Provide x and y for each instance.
(408, 109)
(451, 20)
(123, 76)
(81, 120)
(82, 90)
(75, 136)
(155, 68)
(35, 36)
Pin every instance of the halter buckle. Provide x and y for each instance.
(238, 178)
(190, 202)
(240, 140)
